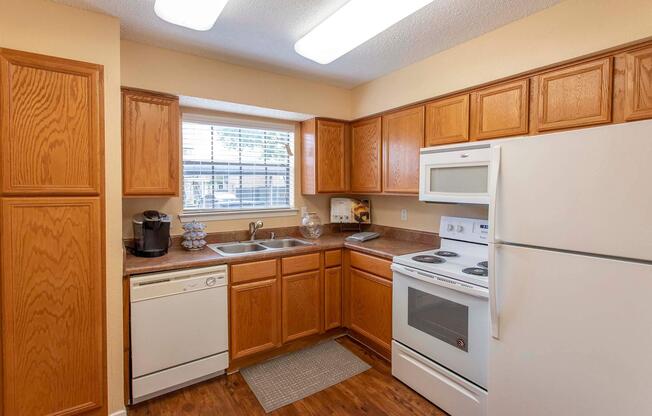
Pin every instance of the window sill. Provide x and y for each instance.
(189, 216)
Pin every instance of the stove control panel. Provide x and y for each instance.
(465, 229)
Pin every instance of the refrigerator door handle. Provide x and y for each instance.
(493, 295)
(494, 170)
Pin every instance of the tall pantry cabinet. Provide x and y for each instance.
(52, 267)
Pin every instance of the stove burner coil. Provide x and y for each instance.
(428, 259)
(476, 271)
(445, 253)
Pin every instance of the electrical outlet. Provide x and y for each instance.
(404, 214)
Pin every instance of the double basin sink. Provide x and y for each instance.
(246, 247)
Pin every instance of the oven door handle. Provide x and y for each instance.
(442, 281)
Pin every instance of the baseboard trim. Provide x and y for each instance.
(122, 412)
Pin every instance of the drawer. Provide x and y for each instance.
(371, 264)
(247, 272)
(332, 258)
(298, 264)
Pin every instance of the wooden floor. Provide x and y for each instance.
(374, 392)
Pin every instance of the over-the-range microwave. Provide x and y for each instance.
(457, 174)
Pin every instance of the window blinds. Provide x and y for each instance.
(232, 167)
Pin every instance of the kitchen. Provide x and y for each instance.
(530, 98)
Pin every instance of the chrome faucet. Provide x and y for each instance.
(253, 227)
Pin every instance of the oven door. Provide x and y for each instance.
(443, 319)
(454, 176)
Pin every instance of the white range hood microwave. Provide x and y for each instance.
(456, 174)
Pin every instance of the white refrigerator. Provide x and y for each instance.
(570, 273)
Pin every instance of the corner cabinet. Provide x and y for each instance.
(52, 267)
(150, 144)
(403, 136)
(324, 153)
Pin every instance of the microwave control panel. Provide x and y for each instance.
(465, 229)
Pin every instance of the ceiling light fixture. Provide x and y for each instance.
(352, 25)
(193, 14)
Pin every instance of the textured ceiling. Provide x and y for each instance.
(262, 33)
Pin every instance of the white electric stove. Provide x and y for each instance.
(440, 324)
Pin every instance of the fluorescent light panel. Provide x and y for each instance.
(193, 14)
(352, 25)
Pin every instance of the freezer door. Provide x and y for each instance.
(575, 335)
(585, 190)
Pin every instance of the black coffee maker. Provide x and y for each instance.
(151, 234)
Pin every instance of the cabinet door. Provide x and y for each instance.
(402, 140)
(254, 318)
(53, 313)
(331, 156)
(366, 162)
(301, 305)
(500, 110)
(576, 96)
(150, 144)
(447, 121)
(332, 298)
(638, 88)
(51, 129)
(371, 307)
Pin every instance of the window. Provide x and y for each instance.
(233, 166)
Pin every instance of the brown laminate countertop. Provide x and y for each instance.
(178, 258)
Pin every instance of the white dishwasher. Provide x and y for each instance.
(179, 329)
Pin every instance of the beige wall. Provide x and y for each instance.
(178, 73)
(386, 210)
(570, 29)
(173, 206)
(52, 29)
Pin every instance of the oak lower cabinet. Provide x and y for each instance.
(403, 135)
(579, 95)
(325, 156)
(332, 297)
(370, 307)
(53, 320)
(366, 156)
(638, 87)
(500, 110)
(301, 299)
(150, 144)
(254, 320)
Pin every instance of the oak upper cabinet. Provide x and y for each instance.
(324, 153)
(150, 144)
(254, 320)
(51, 125)
(53, 320)
(638, 84)
(301, 297)
(370, 306)
(447, 121)
(500, 110)
(576, 96)
(403, 135)
(366, 156)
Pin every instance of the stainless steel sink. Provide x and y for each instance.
(284, 243)
(231, 249)
(246, 247)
